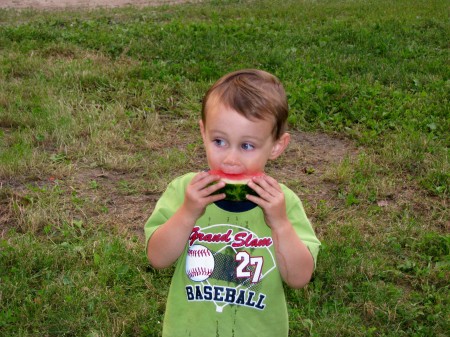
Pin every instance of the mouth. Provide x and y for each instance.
(235, 178)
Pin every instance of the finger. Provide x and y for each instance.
(261, 192)
(257, 200)
(263, 189)
(198, 177)
(215, 197)
(203, 179)
(267, 181)
(212, 187)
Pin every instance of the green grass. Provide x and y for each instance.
(99, 110)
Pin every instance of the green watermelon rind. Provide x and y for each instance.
(236, 192)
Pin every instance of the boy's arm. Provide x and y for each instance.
(169, 240)
(295, 261)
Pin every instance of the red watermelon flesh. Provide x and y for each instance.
(236, 187)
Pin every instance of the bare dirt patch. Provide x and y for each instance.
(308, 158)
(66, 4)
(117, 199)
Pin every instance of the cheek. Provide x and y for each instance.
(258, 161)
(253, 163)
(212, 156)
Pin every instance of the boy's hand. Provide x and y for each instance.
(271, 200)
(199, 193)
(290, 251)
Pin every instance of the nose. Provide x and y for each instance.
(231, 158)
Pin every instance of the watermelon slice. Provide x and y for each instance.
(236, 187)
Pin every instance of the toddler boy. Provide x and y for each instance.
(233, 256)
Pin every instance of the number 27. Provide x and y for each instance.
(247, 260)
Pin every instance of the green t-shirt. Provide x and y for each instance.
(226, 283)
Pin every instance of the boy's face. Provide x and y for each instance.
(237, 145)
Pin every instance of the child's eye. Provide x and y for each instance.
(219, 142)
(247, 146)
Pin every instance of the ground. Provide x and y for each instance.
(308, 158)
(63, 4)
(115, 201)
(306, 162)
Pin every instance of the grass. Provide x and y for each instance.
(99, 110)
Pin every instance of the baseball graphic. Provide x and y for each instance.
(199, 263)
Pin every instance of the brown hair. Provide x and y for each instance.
(252, 93)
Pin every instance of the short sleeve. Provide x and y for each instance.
(301, 223)
(168, 204)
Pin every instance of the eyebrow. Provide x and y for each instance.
(246, 137)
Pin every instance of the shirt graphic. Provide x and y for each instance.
(227, 263)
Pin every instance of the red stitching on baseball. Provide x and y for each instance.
(199, 271)
(200, 252)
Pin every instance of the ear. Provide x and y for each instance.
(202, 129)
(280, 145)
